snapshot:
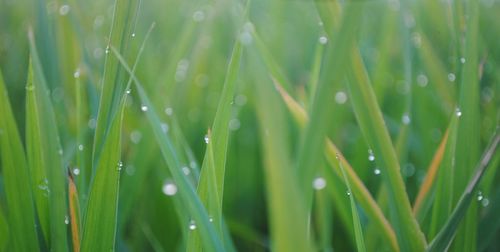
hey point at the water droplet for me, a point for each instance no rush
(198, 16)
(319, 183)
(462, 60)
(130, 170)
(76, 171)
(458, 112)
(128, 91)
(135, 136)
(451, 77)
(80, 147)
(240, 100)
(164, 127)
(119, 166)
(92, 123)
(64, 10)
(480, 196)
(107, 50)
(416, 39)
(169, 188)
(169, 111)
(133, 35)
(211, 219)
(60, 151)
(323, 40)
(408, 170)
(348, 193)
(76, 74)
(371, 156)
(485, 202)
(192, 225)
(207, 139)
(376, 171)
(186, 170)
(246, 38)
(66, 220)
(406, 119)
(144, 108)
(340, 97)
(422, 80)
(192, 164)
(234, 124)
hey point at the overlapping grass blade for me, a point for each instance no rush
(4, 231)
(113, 83)
(16, 179)
(358, 188)
(358, 231)
(445, 236)
(468, 135)
(74, 214)
(187, 194)
(47, 152)
(99, 227)
(215, 156)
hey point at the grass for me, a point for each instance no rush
(249, 125)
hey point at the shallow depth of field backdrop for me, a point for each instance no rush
(227, 125)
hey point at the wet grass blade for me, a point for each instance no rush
(445, 236)
(74, 213)
(49, 153)
(358, 231)
(358, 188)
(186, 191)
(16, 179)
(99, 227)
(215, 156)
(113, 83)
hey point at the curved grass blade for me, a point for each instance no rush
(16, 178)
(359, 190)
(287, 211)
(74, 213)
(446, 234)
(358, 231)
(49, 154)
(114, 75)
(186, 192)
(99, 227)
(215, 156)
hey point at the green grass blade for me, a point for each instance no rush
(358, 231)
(468, 136)
(99, 227)
(4, 231)
(20, 207)
(358, 188)
(186, 191)
(446, 234)
(287, 211)
(113, 83)
(215, 156)
(50, 154)
(74, 214)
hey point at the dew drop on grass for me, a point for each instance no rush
(207, 139)
(451, 77)
(144, 108)
(422, 80)
(76, 171)
(66, 220)
(192, 225)
(80, 147)
(169, 111)
(462, 60)
(128, 91)
(319, 183)
(133, 35)
(234, 124)
(164, 127)
(246, 38)
(107, 50)
(192, 164)
(119, 166)
(371, 156)
(406, 119)
(76, 74)
(64, 10)
(376, 171)
(169, 188)
(186, 170)
(340, 97)
(485, 202)
(211, 219)
(198, 16)
(348, 193)
(458, 112)
(480, 196)
(135, 136)
(323, 40)
(60, 152)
